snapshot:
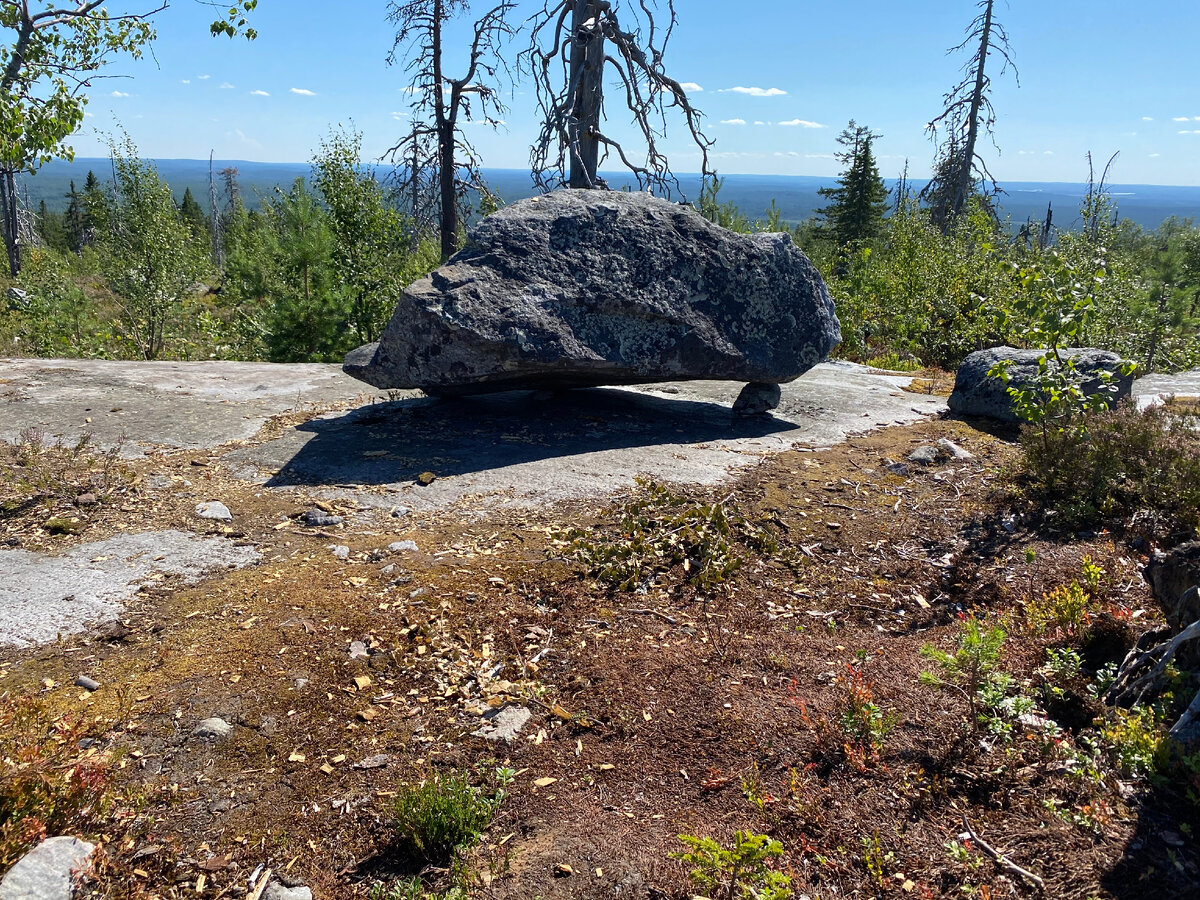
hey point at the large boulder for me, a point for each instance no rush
(49, 871)
(1171, 576)
(583, 288)
(976, 393)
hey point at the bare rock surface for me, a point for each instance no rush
(976, 393)
(526, 448)
(42, 596)
(169, 404)
(590, 288)
(48, 871)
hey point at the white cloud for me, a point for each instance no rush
(187, 81)
(760, 122)
(242, 138)
(226, 86)
(754, 91)
(259, 94)
(802, 123)
(1155, 155)
(1196, 118)
(1181, 119)
(1147, 118)
(304, 92)
(691, 87)
(733, 121)
(204, 77)
(819, 156)
(1047, 153)
(119, 94)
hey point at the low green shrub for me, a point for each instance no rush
(661, 529)
(48, 786)
(444, 813)
(1125, 469)
(741, 872)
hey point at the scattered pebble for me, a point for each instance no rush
(503, 724)
(426, 478)
(341, 551)
(399, 512)
(214, 509)
(318, 518)
(88, 499)
(954, 450)
(88, 684)
(358, 650)
(926, 455)
(403, 546)
(277, 891)
(376, 761)
(212, 728)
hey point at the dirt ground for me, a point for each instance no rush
(663, 710)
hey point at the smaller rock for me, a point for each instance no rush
(926, 455)
(159, 483)
(88, 684)
(88, 499)
(896, 468)
(318, 518)
(376, 761)
(277, 891)
(426, 478)
(17, 299)
(389, 569)
(503, 724)
(341, 551)
(954, 450)
(756, 398)
(48, 871)
(268, 726)
(215, 510)
(358, 650)
(212, 728)
(562, 870)
(403, 546)
(399, 512)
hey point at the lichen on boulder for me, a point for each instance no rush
(585, 288)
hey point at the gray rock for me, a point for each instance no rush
(17, 298)
(212, 729)
(318, 518)
(159, 483)
(48, 871)
(341, 551)
(399, 512)
(277, 891)
(358, 650)
(896, 468)
(586, 288)
(978, 394)
(375, 761)
(402, 546)
(756, 398)
(953, 450)
(1171, 575)
(503, 724)
(926, 455)
(216, 510)
(88, 684)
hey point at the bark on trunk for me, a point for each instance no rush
(587, 70)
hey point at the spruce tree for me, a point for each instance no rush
(193, 214)
(855, 215)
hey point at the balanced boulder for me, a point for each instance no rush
(583, 288)
(977, 393)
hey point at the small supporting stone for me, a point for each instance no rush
(757, 398)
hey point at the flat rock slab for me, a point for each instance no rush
(48, 871)
(1155, 388)
(170, 404)
(42, 596)
(530, 448)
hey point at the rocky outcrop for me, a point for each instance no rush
(49, 871)
(584, 288)
(976, 393)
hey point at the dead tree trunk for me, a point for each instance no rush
(587, 71)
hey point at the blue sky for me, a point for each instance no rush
(776, 79)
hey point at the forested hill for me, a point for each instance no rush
(796, 195)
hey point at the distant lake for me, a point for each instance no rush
(796, 195)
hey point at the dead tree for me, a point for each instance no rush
(440, 166)
(574, 43)
(968, 110)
